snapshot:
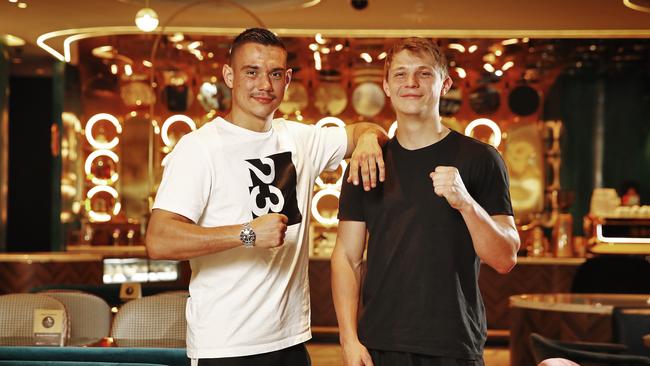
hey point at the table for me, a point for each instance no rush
(561, 316)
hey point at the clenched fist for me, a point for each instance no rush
(448, 183)
(269, 230)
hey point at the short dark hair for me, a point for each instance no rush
(418, 45)
(255, 35)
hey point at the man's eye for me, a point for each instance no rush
(251, 72)
(426, 73)
(276, 75)
(399, 74)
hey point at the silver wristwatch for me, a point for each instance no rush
(247, 236)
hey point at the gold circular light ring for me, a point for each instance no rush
(89, 133)
(325, 221)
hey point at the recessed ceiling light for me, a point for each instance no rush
(13, 1)
(22, 5)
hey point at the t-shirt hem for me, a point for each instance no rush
(249, 350)
(429, 351)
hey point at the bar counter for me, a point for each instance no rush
(19, 272)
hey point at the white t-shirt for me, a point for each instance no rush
(249, 301)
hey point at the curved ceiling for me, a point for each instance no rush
(463, 18)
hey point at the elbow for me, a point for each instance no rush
(152, 243)
(507, 265)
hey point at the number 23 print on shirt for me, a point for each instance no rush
(274, 187)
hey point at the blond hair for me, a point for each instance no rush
(420, 46)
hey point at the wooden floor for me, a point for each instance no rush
(329, 354)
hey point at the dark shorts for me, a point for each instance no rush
(296, 355)
(390, 358)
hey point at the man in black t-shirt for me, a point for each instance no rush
(443, 207)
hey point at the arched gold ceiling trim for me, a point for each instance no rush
(72, 35)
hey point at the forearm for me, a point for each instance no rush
(346, 279)
(496, 243)
(178, 240)
(361, 130)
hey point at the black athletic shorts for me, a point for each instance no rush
(296, 355)
(389, 358)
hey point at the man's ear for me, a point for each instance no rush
(227, 75)
(386, 89)
(287, 79)
(446, 85)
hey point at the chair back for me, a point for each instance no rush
(17, 318)
(152, 321)
(599, 353)
(90, 316)
(629, 326)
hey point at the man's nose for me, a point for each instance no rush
(265, 83)
(412, 81)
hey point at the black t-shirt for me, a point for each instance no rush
(421, 293)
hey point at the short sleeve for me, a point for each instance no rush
(326, 145)
(351, 200)
(186, 182)
(492, 186)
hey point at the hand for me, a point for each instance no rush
(269, 230)
(368, 157)
(356, 354)
(448, 183)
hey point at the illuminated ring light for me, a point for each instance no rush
(392, 130)
(171, 120)
(102, 216)
(89, 131)
(89, 162)
(485, 122)
(325, 221)
(330, 120)
(338, 183)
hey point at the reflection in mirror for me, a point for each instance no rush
(133, 183)
(295, 98)
(484, 100)
(214, 95)
(177, 93)
(368, 99)
(71, 168)
(523, 100)
(137, 93)
(524, 157)
(330, 98)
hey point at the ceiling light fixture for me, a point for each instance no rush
(456, 46)
(146, 18)
(11, 40)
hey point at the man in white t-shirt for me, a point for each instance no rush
(234, 200)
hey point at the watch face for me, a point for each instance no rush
(247, 236)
